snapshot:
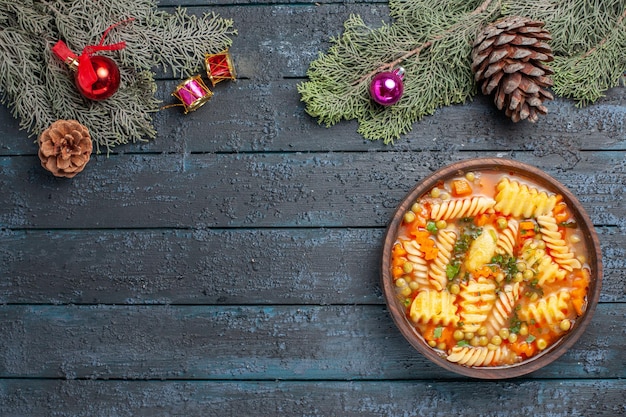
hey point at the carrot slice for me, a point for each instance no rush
(461, 188)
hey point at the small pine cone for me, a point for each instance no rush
(508, 58)
(65, 148)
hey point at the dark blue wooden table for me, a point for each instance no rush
(230, 267)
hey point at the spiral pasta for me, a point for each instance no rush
(548, 271)
(437, 272)
(508, 238)
(520, 200)
(420, 265)
(485, 270)
(502, 309)
(547, 311)
(557, 245)
(466, 207)
(476, 299)
(434, 307)
(478, 356)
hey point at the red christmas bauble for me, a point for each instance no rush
(107, 79)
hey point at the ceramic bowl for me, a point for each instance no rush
(400, 311)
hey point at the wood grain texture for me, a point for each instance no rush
(251, 342)
(263, 190)
(541, 398)
(262, 111)
(273, 119)
(230, 266)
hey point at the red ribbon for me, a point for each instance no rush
(86, 75)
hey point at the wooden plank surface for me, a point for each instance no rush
(223, 266)
(264, 189)
(231, 266)
(554, 398)
(278, 342)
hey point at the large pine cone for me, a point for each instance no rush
(507, 61)
(65, 148)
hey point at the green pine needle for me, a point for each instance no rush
(39, 88)
(432, 42)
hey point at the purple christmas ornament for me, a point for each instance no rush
(386, 88)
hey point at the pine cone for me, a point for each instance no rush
(65, 148)
(507, 59)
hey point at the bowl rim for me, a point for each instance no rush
(540, 178)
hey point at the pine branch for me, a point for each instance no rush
(585, 77)
(179, 39)
(39, 88)
(432, 42)
(588, 39)
(576, 25)
(416, 51)
(435, 59)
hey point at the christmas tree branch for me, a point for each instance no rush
(416, 52)
(39, 88)
(603, 41)
(432, 41)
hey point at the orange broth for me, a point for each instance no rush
(529, 298)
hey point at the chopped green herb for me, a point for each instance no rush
(508, 265)
(462, 343)
(535, 288)
(452, 269)
(569, 225)
(437, 333)
(515, 323)
(530, 338)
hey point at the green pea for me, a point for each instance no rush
(496, 340)
(523, 330)
(504, 333)
(528, 274)
(542, 344)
